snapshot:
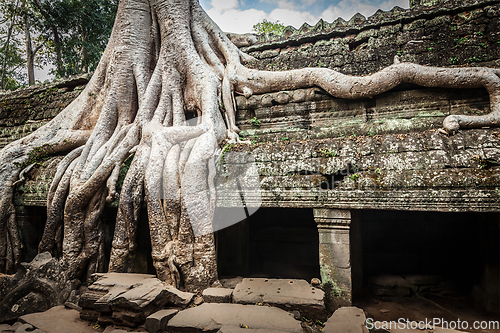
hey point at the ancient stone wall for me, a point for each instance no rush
(313, 150)
(439, 33)
(24, 110)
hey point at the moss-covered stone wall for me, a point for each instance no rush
(313, 150)
(446, 33)
(24, 110)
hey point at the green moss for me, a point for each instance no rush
(38, 155)
(123, 172)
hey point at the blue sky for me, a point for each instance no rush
(240, 15)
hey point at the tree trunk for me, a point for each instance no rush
(166, 58)
(30, 61)
(6, 47)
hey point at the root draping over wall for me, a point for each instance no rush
(166, 58)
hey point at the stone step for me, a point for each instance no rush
(287, 294)
(213, 317)
(217, 295)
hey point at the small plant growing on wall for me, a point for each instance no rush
(327, 153)
(255, 122)
(354, 177)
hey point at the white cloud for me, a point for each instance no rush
(348, 8)
(222, 5)
(230, 18)
(292, 17)
(235, 20)
(291, 4)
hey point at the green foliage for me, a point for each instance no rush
(473, 59)
(326, 153)
(268, 27)
(227, 148)
(354, 177)
(255, 122)
(454, 60)
(14, 58)
(38, 155)
(78, 29)
(459, 41)
(84, 27)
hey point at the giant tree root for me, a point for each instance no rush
(166, 58)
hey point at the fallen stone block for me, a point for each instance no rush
(158, 321)
(149, 291)
(128, 299)
(217, 295)
(286, 294)
(58, 320)
(346, 320)
(211, 317)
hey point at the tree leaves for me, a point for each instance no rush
(268, 27)
(67, 35)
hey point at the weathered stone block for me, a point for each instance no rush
(217, 295)
(212, 317)
(282, 293)
(346, 320)
(158, 321)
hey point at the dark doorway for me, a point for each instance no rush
(274, 242)
(443, 262)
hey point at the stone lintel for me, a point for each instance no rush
(339, 219)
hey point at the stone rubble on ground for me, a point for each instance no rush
(287, 294)
(139, 299)
(215, 316)
(208, 317)
(128, 299)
